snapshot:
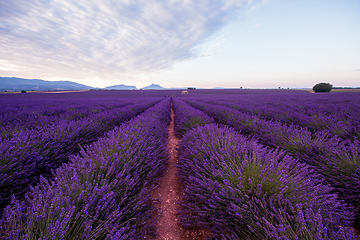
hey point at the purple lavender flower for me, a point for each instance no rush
(101, 193)
(257, 186)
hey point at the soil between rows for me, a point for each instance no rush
(169, 191)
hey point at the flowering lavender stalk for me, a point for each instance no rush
(103, 192)
(241, 190)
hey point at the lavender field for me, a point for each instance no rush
(253, 164)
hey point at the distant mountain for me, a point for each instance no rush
(12, 83)
(121, 87)
(153, 86)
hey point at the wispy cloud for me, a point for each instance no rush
(106, 39)
(257, 5)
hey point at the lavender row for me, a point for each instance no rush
(46, 104)
(29, 154)
(101, 194)
(335, 107)
(337, 160)
(241, 190)
(342, 121)
(187, 117)
(37, 115)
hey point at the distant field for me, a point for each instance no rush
(254, 164)
(345, 90)
(69, 91)
(333, 90)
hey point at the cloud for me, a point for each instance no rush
(257, 5)
(105, 39)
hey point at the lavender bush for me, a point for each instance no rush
(187, 117)
(103, 192)
(342, 124)
(239, 189)
(18, 116)
(338, 113)
(31, 153)
(337, 160)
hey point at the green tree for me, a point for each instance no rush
(23, 91)
(322, 87)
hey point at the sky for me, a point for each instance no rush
(182, 43)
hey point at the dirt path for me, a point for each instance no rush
(169, 192)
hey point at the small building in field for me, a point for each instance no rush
(184, 92)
